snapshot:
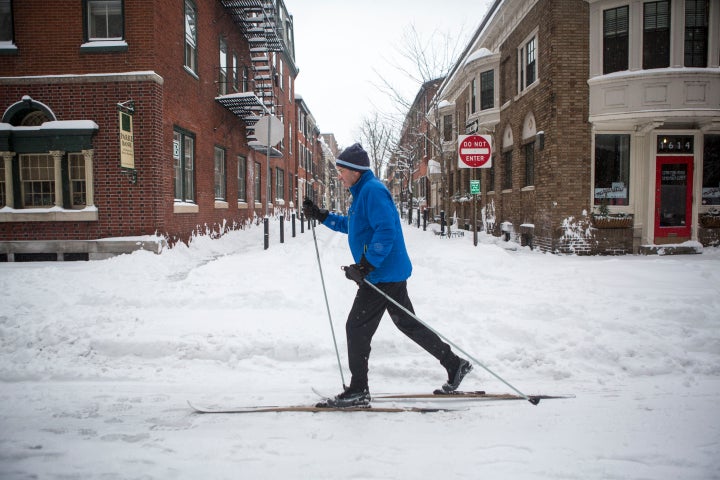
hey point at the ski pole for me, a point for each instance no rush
(327, 305)
(533, 400)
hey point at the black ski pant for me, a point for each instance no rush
(364, 319)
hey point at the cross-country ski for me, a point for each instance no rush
(313, 409)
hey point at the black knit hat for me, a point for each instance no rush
(354, 158)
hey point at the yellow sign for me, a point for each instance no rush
(127, 144)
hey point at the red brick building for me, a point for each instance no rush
(181, 83)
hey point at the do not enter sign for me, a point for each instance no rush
(474, 151)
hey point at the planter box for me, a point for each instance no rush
(612, 222)
(708, 221)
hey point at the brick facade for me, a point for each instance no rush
(558, 117)
(559, 108)
(79, 83)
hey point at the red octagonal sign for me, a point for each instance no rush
(474, 151)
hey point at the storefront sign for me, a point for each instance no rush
(127, 144)
(617, 190)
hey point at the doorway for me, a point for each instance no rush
(673, 198)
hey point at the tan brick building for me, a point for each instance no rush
(591, 105)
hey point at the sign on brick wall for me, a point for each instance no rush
(127, 143)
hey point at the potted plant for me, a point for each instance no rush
(604, 219)
(711, 218)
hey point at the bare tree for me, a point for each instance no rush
(418, 60)
(421, 60)
(377, 135)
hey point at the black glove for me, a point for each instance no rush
(310, 210)
(358, 271)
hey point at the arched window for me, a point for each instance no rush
(28, 113)
(507, 151)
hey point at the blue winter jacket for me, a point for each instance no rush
(373, 228)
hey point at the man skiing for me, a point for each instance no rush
(378, 248)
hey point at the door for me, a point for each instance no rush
(673, 199)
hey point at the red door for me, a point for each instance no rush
(673, 198)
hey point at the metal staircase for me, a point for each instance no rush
(257, 21)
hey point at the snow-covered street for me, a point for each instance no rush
(98, 360)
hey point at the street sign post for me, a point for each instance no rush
(269, 131)
(474, 151)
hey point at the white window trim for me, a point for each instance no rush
(54, 213)
(521, 61)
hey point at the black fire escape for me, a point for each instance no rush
(257, 20)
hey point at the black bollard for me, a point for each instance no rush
(266, 228)
(282, 228)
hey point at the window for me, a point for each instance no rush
(487, 90)
(78, 183)
(280, 75)
(491, 177)
(507, 170)
(37, 180)
(104, 20)
(301, 155)
(245, 79)
(184, 157)
(290, 186)
(223, 75)
(656, 34)
(236, 72)
(220, 175)
(6, 22)
(447, 128)
(529, 164)
(612, 169)
(711, 171)
(191, 36)
(615, 39)
(242, 179)
(290, 140)
(696, 33)
(3, 190)
(47, 180)
(527, 64)
(256, 182)
(279, 183)
(473, 96)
